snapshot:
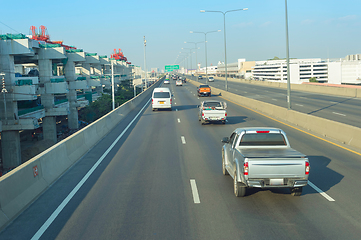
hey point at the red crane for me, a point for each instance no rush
(44, 36)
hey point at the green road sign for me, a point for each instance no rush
(169, 68)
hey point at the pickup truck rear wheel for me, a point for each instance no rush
(224, 170)
(297, 191)
(239, 188)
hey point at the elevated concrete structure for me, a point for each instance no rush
(57, 75)
(11, 124)
(74, 84)
(48, 87)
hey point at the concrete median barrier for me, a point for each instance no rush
(346, 134)
(26, 182)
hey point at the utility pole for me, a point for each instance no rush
(145, 64)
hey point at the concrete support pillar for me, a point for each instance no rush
(107, 71)
(72, 97)
(86, 70)
(10, 140)
(11, 151)
(98, 72)
(47, 100)
(49, 129)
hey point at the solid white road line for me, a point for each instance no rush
(339, 114)
(53, 216)
(178, 120)
(183, 139)
(195, 191)
(274, 99)
(323, 194)
(299, 105)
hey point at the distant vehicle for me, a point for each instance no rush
(179, 82)
(263, 158)
(166, 81)
(175, 77)
(204, 90)
(184, 80)
(212, 111)
(200, 77)
(210, 79)
(161, 98)
(33, 73)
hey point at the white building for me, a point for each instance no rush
(211, 70)
(345, 71)
(301, 70)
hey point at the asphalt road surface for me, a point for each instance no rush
(163, 180)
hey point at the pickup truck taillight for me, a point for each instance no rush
(225, 115)
(152, 100)
(307, 168)
(202, 114)
(245, 168)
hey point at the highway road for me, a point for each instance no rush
(341, 109)
(162, 179)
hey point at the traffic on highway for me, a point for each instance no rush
(341, 109)
(159, 175)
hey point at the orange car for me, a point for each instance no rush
(204, 90)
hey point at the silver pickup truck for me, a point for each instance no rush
(212, 111)
(263, 158)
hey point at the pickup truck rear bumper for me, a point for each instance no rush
(277, 183)
(215, 119)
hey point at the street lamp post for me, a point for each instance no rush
(205, 48)
(224, 30)
(195, 47)
(185, 57)
(288, 62)
(190, 54)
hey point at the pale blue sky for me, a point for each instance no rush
(317, 28)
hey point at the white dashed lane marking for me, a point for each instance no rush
(195, 191)
(339, 114)
(183, 139)
(323, 194)
(178, 120)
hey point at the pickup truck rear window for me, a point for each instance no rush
(203, 86)
(212, 104)
(161, 95)
(263, 139)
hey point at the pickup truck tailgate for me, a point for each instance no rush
(272, 163)
(214, 114)
(276, 168)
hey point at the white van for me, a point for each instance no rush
(161, 98)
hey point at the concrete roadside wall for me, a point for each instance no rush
(331, 90)
(349, 135)
(25, 183)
